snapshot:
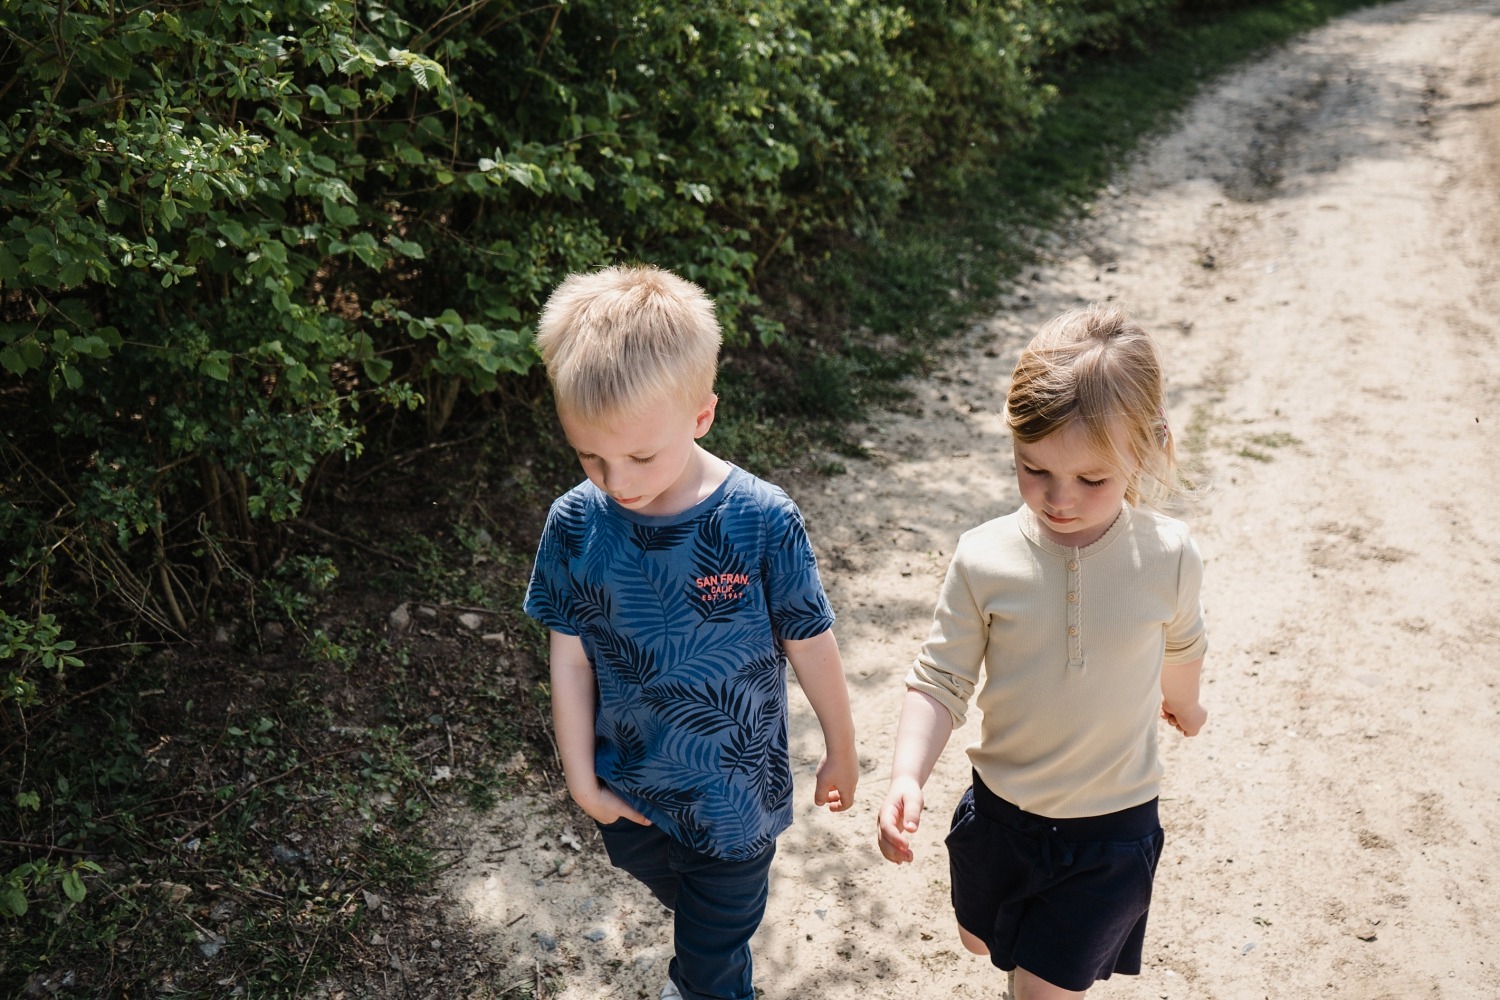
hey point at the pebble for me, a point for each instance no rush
(546, 941)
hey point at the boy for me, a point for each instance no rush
(677, 587)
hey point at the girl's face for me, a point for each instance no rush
(1074, 492)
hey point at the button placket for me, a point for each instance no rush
(1075, 606)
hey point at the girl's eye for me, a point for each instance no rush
(1034, 472)
(1094, 482)
(643, 461)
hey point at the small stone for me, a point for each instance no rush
(285, 855)
(470, 621)
(546, 941)
(210, 946)
(595, 934)
(273, 632)
(400, 618)
(174, 892)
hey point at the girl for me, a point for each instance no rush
(1083, 607)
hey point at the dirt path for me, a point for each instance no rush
(1316, 246)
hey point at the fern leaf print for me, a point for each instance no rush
(682, 618)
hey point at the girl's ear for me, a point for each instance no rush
(705, 418)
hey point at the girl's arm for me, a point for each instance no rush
(573, 720)
(1179, 696)
(920, 737)
(820, 672)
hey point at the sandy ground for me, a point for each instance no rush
(1315, 244)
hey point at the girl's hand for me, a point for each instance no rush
(1187, 721)
(899, 818)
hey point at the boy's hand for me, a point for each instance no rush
(1187, 721)
(838, 773)
(604, 806)
(899, 818)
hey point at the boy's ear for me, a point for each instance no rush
(705, 418)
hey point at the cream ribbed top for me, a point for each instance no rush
(1072, 642)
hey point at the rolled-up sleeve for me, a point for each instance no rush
(1187, 635)
(947, 666)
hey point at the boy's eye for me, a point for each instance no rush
(642, 461)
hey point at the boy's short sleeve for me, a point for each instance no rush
(548, 596)
(798, 607)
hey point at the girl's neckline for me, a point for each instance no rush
(1033, 532)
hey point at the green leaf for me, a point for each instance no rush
(28, 800)
(406, 247)
(72, 884)
(13, 900)
(377, 370)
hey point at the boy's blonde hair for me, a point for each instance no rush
(620, 340)
(1095, 368)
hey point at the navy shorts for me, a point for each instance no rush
(1064, 899)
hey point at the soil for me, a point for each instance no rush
(1314, 243)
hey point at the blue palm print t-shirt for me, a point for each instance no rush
(682, 618)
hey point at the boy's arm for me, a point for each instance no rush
(920, 737)
(820, 672)
(1179, 696)
(573, 720)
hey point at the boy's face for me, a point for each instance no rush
(1074, 493)
(650, 462)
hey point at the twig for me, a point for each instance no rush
(382, 553)
(44, 847)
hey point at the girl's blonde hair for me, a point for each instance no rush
(623, 339)
(1094, 368)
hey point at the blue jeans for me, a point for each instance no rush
(717, 905)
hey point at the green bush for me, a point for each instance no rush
(236, 232)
